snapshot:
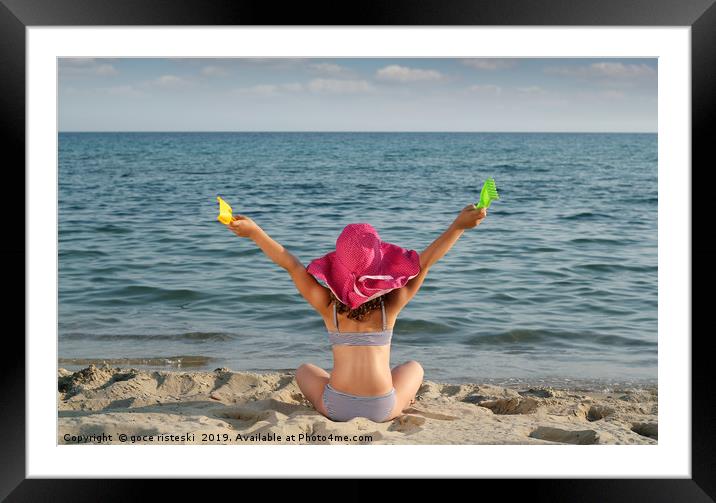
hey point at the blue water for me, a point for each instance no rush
(558, 284)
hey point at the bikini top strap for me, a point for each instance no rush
(335, 317)
(382, 307)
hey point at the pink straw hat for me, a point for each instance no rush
(363, 267)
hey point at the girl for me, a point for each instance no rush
(369, 281)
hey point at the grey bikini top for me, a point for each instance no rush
(381, 338)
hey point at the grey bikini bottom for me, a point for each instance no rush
(344, 407)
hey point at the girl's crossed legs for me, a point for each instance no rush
(407, 379)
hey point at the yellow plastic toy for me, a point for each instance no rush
(225, 215)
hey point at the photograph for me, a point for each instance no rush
(445, 244)
(357, 250)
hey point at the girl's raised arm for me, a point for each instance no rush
(468, 218)
(311, 290)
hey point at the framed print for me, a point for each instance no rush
(230, 217)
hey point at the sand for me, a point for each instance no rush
(99, 404)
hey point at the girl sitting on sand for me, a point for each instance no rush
(369, 282)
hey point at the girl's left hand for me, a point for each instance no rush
(470, 217)
(242, 226)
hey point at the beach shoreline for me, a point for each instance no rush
(120, 405)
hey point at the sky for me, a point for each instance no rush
(357, 94)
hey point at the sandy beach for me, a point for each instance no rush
(100, 404)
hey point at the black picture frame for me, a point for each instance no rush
(17, 15)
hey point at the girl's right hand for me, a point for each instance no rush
(470, 217)
(242, 226)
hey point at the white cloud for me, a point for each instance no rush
(292, 87)
(618, 95)
(609, 94)
(123, 90)
(531, 90)
(169, 82)
(86, 66)
(338, 86)
(270, 89)
(119, 89)
(488, 63)
(284, 63)
(163, 82)
(330, 69)
(77, 61)
(318, 85)
(213, 71)
(622, 70)
(491, 89)
(405, 74)
(106, 70)
(604, 69)
(260, 89)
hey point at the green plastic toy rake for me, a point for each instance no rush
(487, 194)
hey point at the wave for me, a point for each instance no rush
(151, 293)
(505, 297)
(584, 215)
(272, 298)
(507, 213)
(412, 326)
(600, 267)
(186, 336)
(553, 273)
(81, 254)
(542, 339)
(113, 229)
(599, 241)
(155, 361)
(645, 199)
(543, 249)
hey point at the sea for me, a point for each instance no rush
(556, 287)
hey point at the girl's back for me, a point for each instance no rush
(362, 369)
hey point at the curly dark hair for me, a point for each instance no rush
(361, 311)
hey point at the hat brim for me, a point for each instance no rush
(396, 267)
(329, 270)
